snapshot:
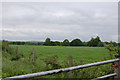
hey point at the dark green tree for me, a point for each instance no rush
(98, 39)
(57, 43)
(52, 43)
(76, 42)
(66, 42)
(84, 43)
(100, 44)
(47, 42)
(94, 42)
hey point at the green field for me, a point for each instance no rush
(80, 55)
(87, 54)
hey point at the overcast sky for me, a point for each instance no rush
(36, 21)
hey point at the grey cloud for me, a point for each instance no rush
(60, 20)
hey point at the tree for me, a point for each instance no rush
(100, 44)
(98, 39)
(84, 43)
(52, 43)
(114, 43)
(76, 42)
(40, 43)
(57, 43)
(47, 42)
(94, 42)
(66, 42)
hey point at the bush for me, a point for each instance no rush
(52, 62)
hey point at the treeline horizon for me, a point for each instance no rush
(93, 42)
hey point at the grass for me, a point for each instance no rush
(81, 55)
(87, 54)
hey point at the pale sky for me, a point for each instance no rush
(63, 20)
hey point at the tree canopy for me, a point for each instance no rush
(76, 42)
(94, 42)
(66, 42)
(47, 42)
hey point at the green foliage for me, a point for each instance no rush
(52, 43)
(76, 42)
(25, 43)
(16, 55)
(47, 42)
(52, 62)
(112, 48)
(57, 43)
(6, 47)
(66, 42)
(13, 68)
(94, 42)
(54, 57)
(84, 43)
(100, 44)
(86, 73)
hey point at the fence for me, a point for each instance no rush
(116, 74)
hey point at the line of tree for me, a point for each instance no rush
(25, 43)
(93, 42)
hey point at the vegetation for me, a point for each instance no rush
(66, 43)
(76, 42)
(43, 58)
(93, 42)
(30, 58)
(113, 49)
(47, 42)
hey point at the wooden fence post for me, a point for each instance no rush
(70, 63)
(117, 70)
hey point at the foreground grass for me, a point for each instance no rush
(81, 55)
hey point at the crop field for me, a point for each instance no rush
(87, 54)
(80, 55)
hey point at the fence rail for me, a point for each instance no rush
(106, 76)
(66, 70)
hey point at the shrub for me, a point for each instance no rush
(52, 61)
